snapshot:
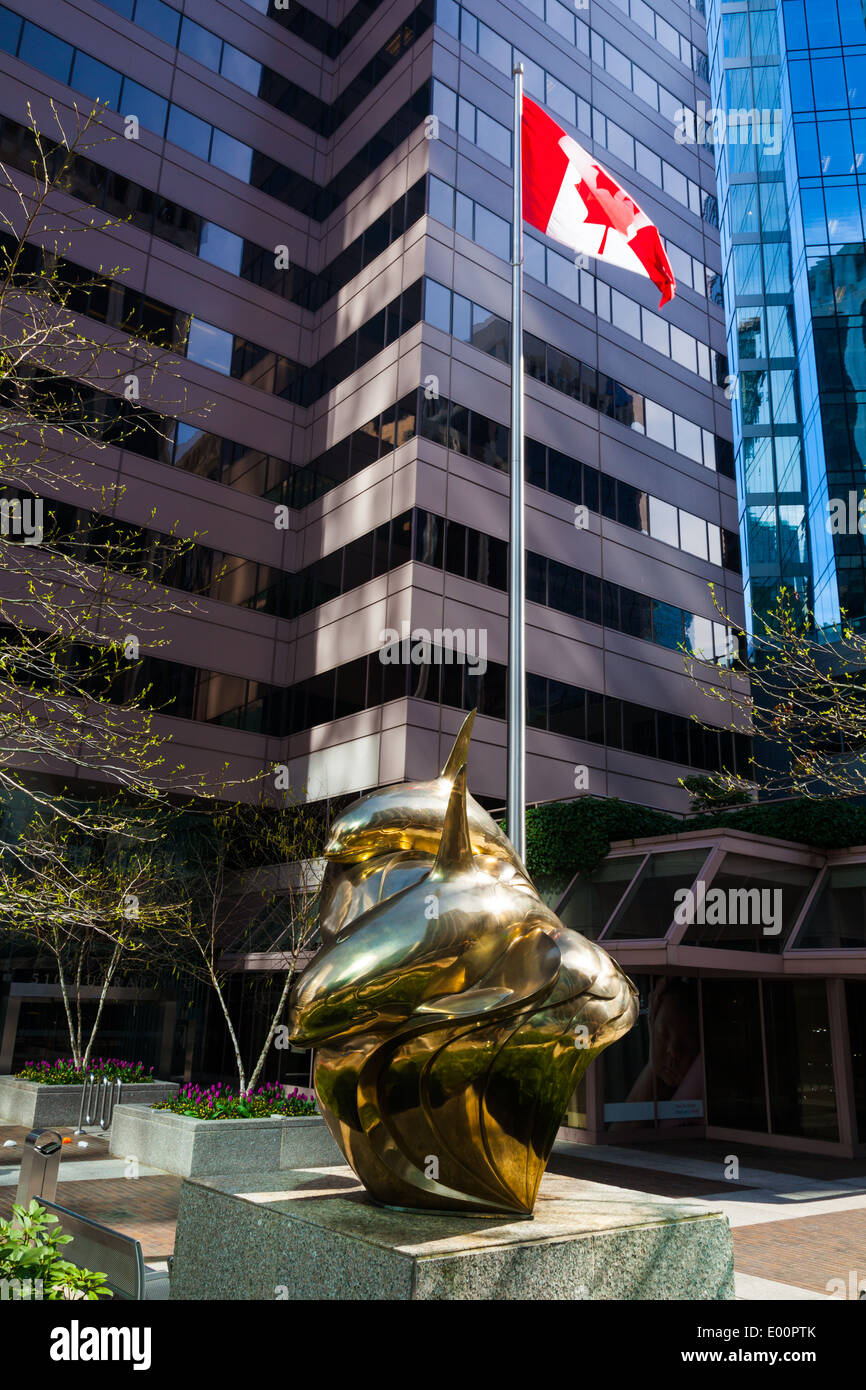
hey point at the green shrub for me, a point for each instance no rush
(30, 1251)
(567, 837)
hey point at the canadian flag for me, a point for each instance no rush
(568, 195)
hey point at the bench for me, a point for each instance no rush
(108, 1252)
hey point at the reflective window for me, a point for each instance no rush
(46, 52)
(590, 902)
(650, 907)
(799, 1059)
(100, 82)
(210, 346)
(837, 917)
(751, 905)
(734, 1054)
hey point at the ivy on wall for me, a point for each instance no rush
(564, 837)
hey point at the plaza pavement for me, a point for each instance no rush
(799, 1223)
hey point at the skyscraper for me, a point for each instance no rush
(317, 221)
(793, 251)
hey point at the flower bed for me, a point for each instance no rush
(64, 1072)
(196, 1139)
(220, 1103)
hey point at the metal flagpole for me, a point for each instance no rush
(516, 802)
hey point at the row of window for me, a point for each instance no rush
(257, 366)
(490, 135)
(224, 352)
(240, 68)
(473, 220)
(477, 222)
(469, 432)
(213, 243)
(551, 705)
(428, 538)
(60, 60)
(472, 323)
(660, 29)
(469, 554)
(305, 24)
(462, 24)
(835, 23)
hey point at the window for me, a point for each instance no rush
(46, 52)
(494, 49)
(241, 69)
(659, 424)
(437, 305)
(441, 201)
(158, 19)
(98, 81)
(693, 535)
(220, 247)
(231, 155)
(494, 138)
(663, 521)
(189, 132)
(625, 314)
(492, 232)
(210, 346)
(200, 44)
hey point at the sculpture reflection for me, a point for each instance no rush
(452, 1012)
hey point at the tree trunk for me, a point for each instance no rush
(106, 982)
(67, 1004)
(290, 974)
(232, 1034)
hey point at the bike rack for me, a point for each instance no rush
(109, 1095)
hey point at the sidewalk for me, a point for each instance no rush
(798, 1222)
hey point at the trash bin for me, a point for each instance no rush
(40, 1164)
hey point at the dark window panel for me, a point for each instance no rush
(455, 548)
(401, 540)
(567, 710)
(536, 464)
(612, 722)
(536, 701)
(429, 539)
(564, 474)
(536, 578)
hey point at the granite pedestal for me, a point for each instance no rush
(314, 1234)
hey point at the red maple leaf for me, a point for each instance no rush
(607, 205)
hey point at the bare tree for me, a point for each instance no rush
(250, 868)
(800, 694)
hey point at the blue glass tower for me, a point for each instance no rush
(788, 83)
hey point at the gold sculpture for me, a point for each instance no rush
(451, 1011)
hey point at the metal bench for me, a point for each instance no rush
(113, 1254)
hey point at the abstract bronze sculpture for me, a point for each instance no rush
(452, 1012)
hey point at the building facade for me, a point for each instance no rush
(789, 179)
(316, 204)
(748, 954)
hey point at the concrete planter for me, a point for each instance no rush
(33, 1105)
(203, 1148)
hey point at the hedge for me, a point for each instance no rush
(564, 837)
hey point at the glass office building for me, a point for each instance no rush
(788, 122)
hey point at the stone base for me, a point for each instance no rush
(35, 1106)
(189, 1147)
(315, 1235)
